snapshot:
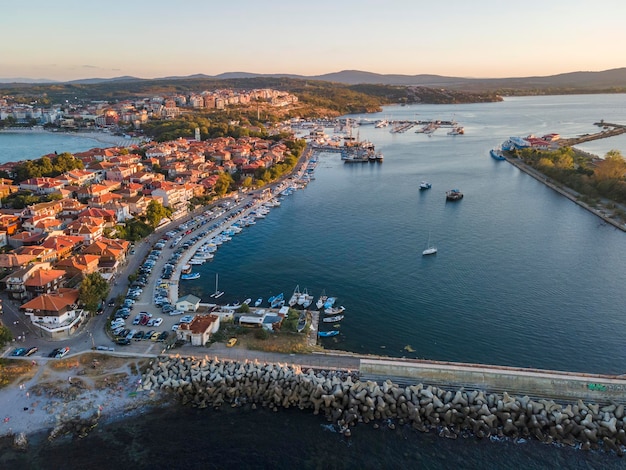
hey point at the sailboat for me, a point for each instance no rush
(430, 249)
(217, 294)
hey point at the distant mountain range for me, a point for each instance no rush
(604, 80)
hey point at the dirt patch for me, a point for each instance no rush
(13, 369)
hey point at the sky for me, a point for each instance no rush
(75, 39)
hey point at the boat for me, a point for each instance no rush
(308, 299)
(217, 294)
(379, 157)
(196, 261)
(258, 302)
(231, 342)
(185, 269)
(247, 301)
(190, 276)
(425, 185)
(333, 319)
(301, 322)
(278, 301)
(496, 154)
(334, 310)
(330, 301)
(294, 298)
(320, 302)
(454, 195)
(326, 334)
(456, 130)
(430, 249)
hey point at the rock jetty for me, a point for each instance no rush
(343, 399)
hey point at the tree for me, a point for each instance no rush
(5, 336)
(92, 291)
(222, 185)
(613, 166)
(157, 212)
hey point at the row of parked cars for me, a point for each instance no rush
(126, 335)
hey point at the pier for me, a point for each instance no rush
(609, 130)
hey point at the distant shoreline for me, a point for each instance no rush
(102, 137)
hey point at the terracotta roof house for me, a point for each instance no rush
(63, 245)
(45, 209)
(79, 264)
(56, 315)
(25, 238)
(199, 331)
(12, 260)
(16, 281)
(9, 223)
(44, 281)
(89, 228)
(111, 252)
(38, 253)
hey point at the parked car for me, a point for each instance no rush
(155, 336)
(157, 321)
(54, 352)
(122, 341)
(62, 352)
(31, 351)
(163, 336)
(19, 352)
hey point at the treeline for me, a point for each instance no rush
(46, 166)
(604, 179)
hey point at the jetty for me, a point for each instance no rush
(608, 130)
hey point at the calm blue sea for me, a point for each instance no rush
(523, 277)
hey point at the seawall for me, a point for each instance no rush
(346, 399)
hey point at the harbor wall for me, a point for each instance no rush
(346, 400)
(562, 386)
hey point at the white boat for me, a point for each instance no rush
(247, 301)
(185, 269)
(295, 297)
(217, 294)
(334, 310)
(334, 319)
(430, 249)
(425, 185)
(258, 302)
(320, 302)
(196, 261)
(308, 299)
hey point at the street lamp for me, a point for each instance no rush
(93, 343)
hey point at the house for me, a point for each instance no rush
(79, 264)
(56, 315)
(63, 245)
(44, 281)
(112, 253)
(199, 331)
(188, 303)
(16, 281)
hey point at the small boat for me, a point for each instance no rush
(196, 261)
(379, 157)
(258, 302)
(430, 249)
(320, 302)
(190, 276)
(326, 334)
(247, 301)
(231, 342)
(425, 185)
(408, 348)
(334, 311)
(278, 301)
(295, 297)
(217, 294)
(454, 195)
(496, 154)
(330, 301)
(333, 319)
(308, 299)
(185, 269)
(301, 322)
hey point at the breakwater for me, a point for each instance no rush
(343, 398)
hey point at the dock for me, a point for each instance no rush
(608, 130)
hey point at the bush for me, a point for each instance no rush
(262, 333)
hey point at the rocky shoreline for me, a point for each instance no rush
(345, 400)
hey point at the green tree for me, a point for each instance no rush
(5, 336)
(92, 291)
(223, 183)
(156, 212)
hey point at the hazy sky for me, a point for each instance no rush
(71, 39)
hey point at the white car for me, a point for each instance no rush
(176, 312)
(157, 322)
(175, 326)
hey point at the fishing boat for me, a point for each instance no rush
(186, 269)
(457, 130)
(425, 185)
(258, 302)
(430, 249)
(496, 154)
(379, 157)
(330, 301)
(334, 310)
(278, 301)
(247, 301)
(320, 302)
(217, 294)
(301, 322)
(190, 276)
(308, 299)
(326, 334)
(454, 195)
(333, 319)
(295, 297)
(196, 261)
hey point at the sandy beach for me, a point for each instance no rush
(83, 387)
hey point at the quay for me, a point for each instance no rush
(609, 130)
